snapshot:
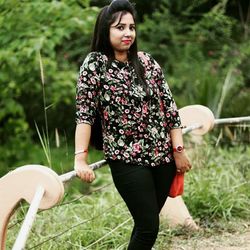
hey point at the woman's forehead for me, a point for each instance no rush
(125, 18)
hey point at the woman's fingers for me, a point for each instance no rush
(86, 174)
(89, 176)
(184, 168)
(182, 163)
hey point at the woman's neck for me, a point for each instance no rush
(121, 56)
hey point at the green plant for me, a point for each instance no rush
(217, 186)
(202, 50)
(216, 194)
(60, 31)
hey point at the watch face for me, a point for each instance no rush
(179, 148)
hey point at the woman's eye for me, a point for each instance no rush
(132, 28)
(120, 28)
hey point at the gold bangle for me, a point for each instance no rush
(81, 151)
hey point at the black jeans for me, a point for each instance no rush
(144, 190)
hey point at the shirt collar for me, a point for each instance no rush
(118, 64)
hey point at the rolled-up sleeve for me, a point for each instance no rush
(171, 111)
(87, 89)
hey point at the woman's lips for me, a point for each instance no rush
(126, 41)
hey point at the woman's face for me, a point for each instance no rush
(122, 33)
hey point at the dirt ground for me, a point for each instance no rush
(226, 241)
(230, 235)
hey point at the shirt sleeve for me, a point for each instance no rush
(169, 105)
(87, 89)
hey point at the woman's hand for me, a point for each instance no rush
(182, 162)
(84, 172)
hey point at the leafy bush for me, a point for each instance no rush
(60, 31)
(204, 52)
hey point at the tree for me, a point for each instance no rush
(204, 53)
(60, 32)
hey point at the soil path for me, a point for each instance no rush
(226, 241)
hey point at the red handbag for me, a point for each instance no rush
(177, 186)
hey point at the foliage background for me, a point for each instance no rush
(203, 47)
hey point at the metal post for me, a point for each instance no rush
(70, 175)
(191, 128)
(232, 120)
(29, 219)
(218, 122)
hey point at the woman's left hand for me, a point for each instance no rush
(182, 162)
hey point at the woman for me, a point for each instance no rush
(141, 128)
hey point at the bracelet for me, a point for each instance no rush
(81, 151)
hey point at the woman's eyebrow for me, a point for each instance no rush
(125, 24)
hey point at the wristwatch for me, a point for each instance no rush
(178, 148)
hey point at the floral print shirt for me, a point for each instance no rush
(135, 129)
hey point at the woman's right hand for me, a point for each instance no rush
(84, 172)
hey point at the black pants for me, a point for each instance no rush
(144, 190)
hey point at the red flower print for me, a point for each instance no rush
(105, 115)
(145, 109)
(133, 154)
(156, 151)
(137, 115)
(124, 119)
(161, 106)
(113, 88)
(123, 101)
(137, 147)
(128, 132)
(92, 79)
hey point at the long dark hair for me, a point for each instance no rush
(101, 43)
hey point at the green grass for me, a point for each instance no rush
(81, 222)
(218, 186)
(216, 193)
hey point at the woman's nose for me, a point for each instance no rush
(128, 32)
